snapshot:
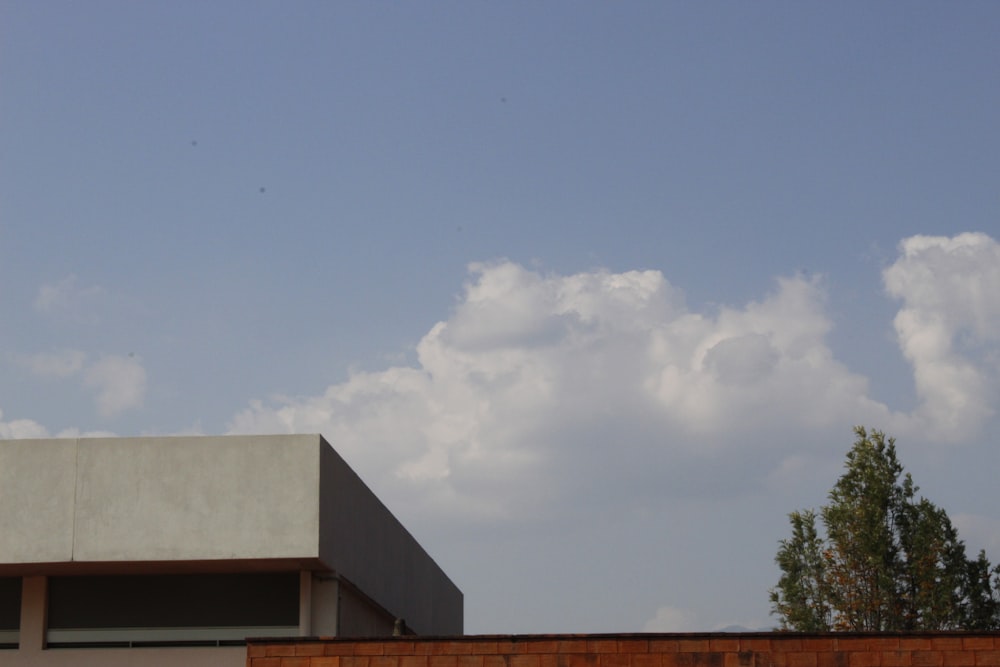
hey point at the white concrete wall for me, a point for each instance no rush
(192, 499)
(37, 483)
(159, 499)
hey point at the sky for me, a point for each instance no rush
(591, 294)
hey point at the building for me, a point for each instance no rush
(165, 551)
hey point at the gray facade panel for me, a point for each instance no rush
(157, 499)
(37, 480)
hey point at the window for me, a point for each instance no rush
(150, 610)
(10, 611)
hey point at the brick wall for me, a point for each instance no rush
(645, 650)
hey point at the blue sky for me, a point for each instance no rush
(590, 293)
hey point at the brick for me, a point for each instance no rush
(864, 659)
(255, 650)
(548, 659)
(646, 660)
(802, 659)
(633, 646)
(669, 659)
(354, 661)
(692, 645)
(915, 644)
(279, 650)
(267, 662)
(578, 660)
(945, 643)
(724, 645)
(524, 660)
(602, 646)
(818, 644)
(399, 648)
(508, 646)
(700, 659)
(959, 658)
(442, 661)
(494, 660)
(926, 658)
(571, 646)
(412, 661)
(832, 659)
(977, 643)
(484, 647)
(897, 658)
(309, 648)
(453, 648)
(369, 648)
(852, 644)
(664, 646)
(330, 661)
(786, 644)
(739, 659)
(295, 662)
(755, 644)
(338, 648)
(987, 657)
(544, 646)
(883, 643)
(383, 661)
(468, 661)
(613, 660)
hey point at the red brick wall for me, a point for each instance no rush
(646, 650)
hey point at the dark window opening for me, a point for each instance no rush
(10, 611)
(181, 609)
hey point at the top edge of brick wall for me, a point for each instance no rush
(622, 636)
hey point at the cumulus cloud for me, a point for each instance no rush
(119, 383)
(69, 300)
(537, 384)
(949, 328)
(21, 428)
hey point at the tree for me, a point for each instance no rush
(887, 561)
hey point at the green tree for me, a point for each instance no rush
(887, 560)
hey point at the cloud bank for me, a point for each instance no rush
(538, 386)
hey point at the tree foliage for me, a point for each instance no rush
(887, 560)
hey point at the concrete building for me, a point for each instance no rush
(164, 551)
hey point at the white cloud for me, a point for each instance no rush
(538, 383)
(538, 387)
(949, 328)
(21, 428)
(672, 619)
(119, 383)
(59, 364)
(67, 299)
